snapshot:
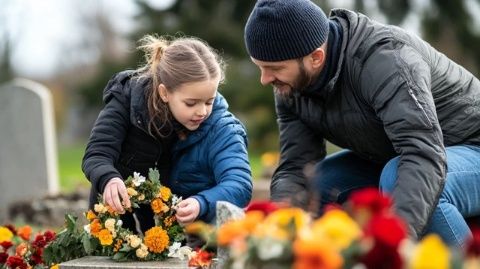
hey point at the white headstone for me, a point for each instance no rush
(226, 212)
(28, 153)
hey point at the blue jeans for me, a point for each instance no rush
(343, 172)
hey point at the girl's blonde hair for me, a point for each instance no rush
(173, 62)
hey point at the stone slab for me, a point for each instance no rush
(99, 262)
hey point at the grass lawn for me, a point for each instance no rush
(71, 175)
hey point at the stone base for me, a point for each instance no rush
(107, 263)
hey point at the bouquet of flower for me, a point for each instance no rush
(104, 234)
(365, 233)
(18, 250)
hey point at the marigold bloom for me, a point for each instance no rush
(5, 234)
(105, 237)
(157, 206)
(24, 232)
(165, 193)
(431, 253)
(156, 239)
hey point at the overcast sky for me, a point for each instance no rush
(43, 29)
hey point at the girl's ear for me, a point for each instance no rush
(163, 93)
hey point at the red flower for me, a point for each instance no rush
(202, 259)
(3, 257)
(6, 245)
(49, 235)
(16, 262)
(389, 230)
(372, 199)
(36, 257)
(39, 241)
(473, 245)
(266, 207)
(382, 257)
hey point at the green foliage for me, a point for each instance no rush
(68, 244)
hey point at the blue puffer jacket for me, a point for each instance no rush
(212, 163)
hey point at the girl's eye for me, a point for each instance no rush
(190, 104)
(209, 103)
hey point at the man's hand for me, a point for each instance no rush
(114, 190)
(187, 211)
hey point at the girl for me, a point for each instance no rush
(169, 115)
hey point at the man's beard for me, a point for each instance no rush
(302, 81)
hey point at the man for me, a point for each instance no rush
(402, 111)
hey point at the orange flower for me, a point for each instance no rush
(158, 206)
(156, 239)
(315, 253)
(90, 215)
(105, 237)
(118, 245)
(95, 227)
(202, 259)
(24, 232)
(231, 231)
(169, 221)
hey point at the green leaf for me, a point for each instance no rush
(154, 175)
(71, 222)
(87, 245)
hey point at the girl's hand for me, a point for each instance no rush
(114, 190)
(187, 211)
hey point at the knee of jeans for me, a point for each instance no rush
(389, 175)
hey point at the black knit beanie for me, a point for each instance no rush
(279, 30)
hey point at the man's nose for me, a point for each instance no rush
(266, 78)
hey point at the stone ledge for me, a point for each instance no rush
(107, 263)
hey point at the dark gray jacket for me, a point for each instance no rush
(392, 95)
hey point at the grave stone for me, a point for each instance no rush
(107, 263)
(28, 154)
(226, 212)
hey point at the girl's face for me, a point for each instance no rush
(191, 103)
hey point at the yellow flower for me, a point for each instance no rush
(169, 221)
(142, 251)
(431, 253)
(338, 227)
(231, 231)
(141, 197)
(105, 237)
(156, 239)
(132, 192)
(157, 206)
(90, 215)
(165, 193)
(270, 158)
(284, 216)
(100, 208)
(5, 234)
(55, 266)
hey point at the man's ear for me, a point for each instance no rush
(318, 57)
(163, 93)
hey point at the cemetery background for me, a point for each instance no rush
(98, 39)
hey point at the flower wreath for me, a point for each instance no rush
(108, 237)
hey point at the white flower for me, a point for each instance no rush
(269, 249)
(86, 228)
(177, 251)
(175, 200)
(119, 223)
(137, 179)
